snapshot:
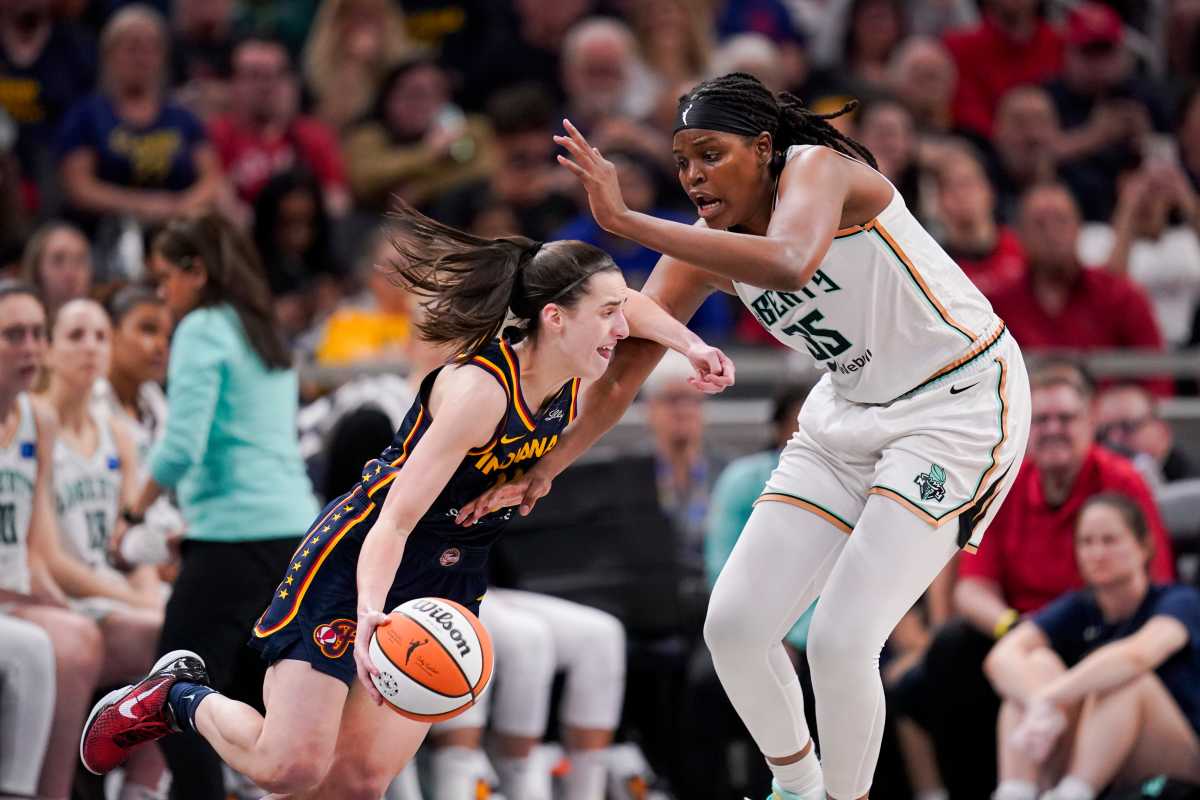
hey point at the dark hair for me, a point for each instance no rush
(522, 108)
(1059, 370)
(11, 288)
(471, 283)
(1131, 513)
(286, 273)
(35, 249)
(235, 276)
(783, 116)
(125, 299)
(378, 111)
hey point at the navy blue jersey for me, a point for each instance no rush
(520, 440)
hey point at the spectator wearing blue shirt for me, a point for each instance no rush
(1102, 686)
(127, 151)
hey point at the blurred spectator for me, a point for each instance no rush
(873, 31)
(921, 18)
(743, 21)
(525, 47)
(27, 591)
(264, 134)
(1011, 46)
(1188, 135)
(1104, 109)
(1153, 241)
(415, 143)
(202, 40)
(1127, 421)
(1023, 147)
(351, 46)
(14, 218)
(58, 263)
(288, 22)
(885, 127)
(527, 180)
(752, 53)
(375, 325)
(1059, 303)
(676, 37)
(45, 67)
(686, 469)
(292, 235)
(990, 254)
(1181, 40)
(457, 30)
(922, 75)
(602, 74)
(1101, 686)
(128, 150)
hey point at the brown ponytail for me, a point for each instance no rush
(470, 284)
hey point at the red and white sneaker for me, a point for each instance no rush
(129, 717)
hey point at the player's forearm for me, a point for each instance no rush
(378, 561)
(764, 261)
(648, 320)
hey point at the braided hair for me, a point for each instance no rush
(783, 116)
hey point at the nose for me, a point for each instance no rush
(621, 327)
(693, 176)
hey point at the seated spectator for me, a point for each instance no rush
(1013, 45)
(128, 151)
(526, 178)
(886, 129)
(1104, 108)
(1180, 34)
(1153, 239)
(292, 234)
(351, 46)
(415, 143)
(754, 54)
(58, 263)
(95, 469)
(1188, 136)
(27, 591)
(1103, 685)
(264, 134)
(1023, 146)
(1127, 421)
(202, 34)
(922, 76)
(874, 29)
(1025, 562)
(1059, 303)
(375, 325)
(676, 38)
(990, 254)
(45, 67)
(603, 75)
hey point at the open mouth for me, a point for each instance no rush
(27, 372)
(706, 205)
(606, 351)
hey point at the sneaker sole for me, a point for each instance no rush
(111, 697)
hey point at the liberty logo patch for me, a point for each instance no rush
(334, 638)
(932, 484)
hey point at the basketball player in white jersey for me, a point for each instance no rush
(95, 464)
(905, 449)
(29, 598)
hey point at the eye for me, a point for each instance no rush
(681, 164)
(711, 156)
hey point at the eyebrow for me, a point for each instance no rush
(699, 140)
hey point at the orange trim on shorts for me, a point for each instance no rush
(971, 354)
(311, 573)
(916, 276)
(807, 505)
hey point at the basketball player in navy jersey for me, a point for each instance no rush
(481, 420)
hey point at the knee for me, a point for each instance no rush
(78, 646)
(291, 771)
(528, 653)
(364, 783)
(726, 630)
(602, 643)
(833, 646)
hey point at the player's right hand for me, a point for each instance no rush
(714, 370)
(368, 621)
(523, 492)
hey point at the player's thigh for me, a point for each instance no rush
(76, 640)
(1167, 743)
(304, 711)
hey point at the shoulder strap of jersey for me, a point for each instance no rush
(574, 407)
(28, 421)
(491, 359)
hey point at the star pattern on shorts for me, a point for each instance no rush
(296, 566)
(305, 552)
(283, 594)
(289, 580)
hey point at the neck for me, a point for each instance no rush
(542, 373)
(1051, 287)
(1119, 600)
(70, 404)
(973, 234)
(1056, 485)
(758, 223)
(125, 387)
(8, 403)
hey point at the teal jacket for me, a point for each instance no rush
(729, 508)
(230, 449)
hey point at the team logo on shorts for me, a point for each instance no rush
(334, 638)
(450, 557)
(932, 484)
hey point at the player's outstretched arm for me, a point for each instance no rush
(812, 191)
(466, 406)
(647, 320)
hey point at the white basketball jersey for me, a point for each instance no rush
(18, 474)
(886, 312)
(150, 424)
(88, 491)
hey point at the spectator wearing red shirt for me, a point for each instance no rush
(1026, 560)
(1062, 305)
(991, 255)
(263, 135)
(1011, 46)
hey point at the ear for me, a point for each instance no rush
(197, 273)
(764, 148)
(552, 317)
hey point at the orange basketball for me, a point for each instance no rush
(434, 658)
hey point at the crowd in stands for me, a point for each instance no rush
(1052, 147)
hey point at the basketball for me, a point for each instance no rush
(434, 659)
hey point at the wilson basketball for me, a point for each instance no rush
(434, 659)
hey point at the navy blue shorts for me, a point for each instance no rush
(313, 616)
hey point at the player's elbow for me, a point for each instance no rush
(788, 269)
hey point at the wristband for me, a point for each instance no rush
(1005, 623)
(131, 518)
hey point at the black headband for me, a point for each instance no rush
(714, 117)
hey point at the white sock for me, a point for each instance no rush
(1015, 790)
(524, 778)
(1072, 788)
(457, 772)
(801, 778)
(933, 794)
(586, 780)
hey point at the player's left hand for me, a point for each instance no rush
(368, 621)
(714, 370)
(1039, 730)
(598, 176)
